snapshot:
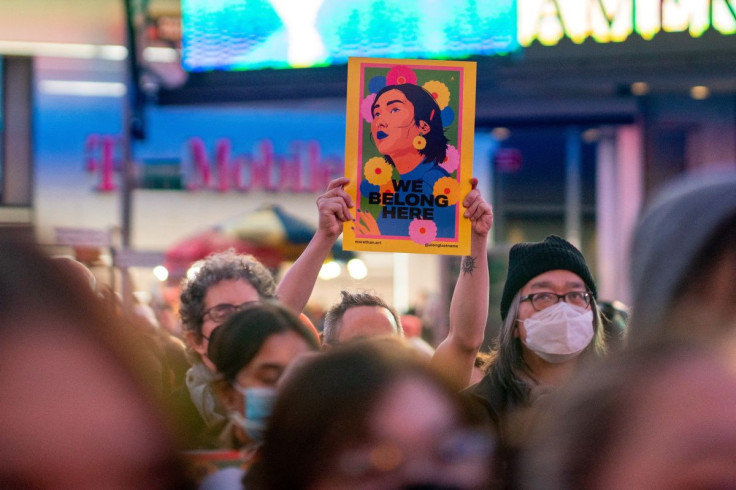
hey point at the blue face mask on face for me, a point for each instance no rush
(258, 404)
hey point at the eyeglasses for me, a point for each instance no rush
(544, 300)
(220, 313)
(464, 450)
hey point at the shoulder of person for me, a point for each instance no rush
(490, 394)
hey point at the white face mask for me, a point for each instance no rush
(560, 332)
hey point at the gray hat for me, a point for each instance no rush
(671, 232)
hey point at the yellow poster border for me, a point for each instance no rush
(460, 244)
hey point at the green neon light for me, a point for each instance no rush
(606, 21)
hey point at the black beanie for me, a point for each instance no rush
(529, 259)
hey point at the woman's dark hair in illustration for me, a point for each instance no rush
(427, 110)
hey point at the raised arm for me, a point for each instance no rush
(455, 356)
(333, 206)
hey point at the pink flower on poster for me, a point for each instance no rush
(422, 231)
(365, 108)
(452, 160)
(401, 74)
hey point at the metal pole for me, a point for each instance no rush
(573, 193)
(132, 129)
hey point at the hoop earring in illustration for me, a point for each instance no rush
(419, 142)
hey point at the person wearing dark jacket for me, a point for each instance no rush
(550, 323)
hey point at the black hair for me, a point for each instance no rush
(234, 344)
(427, 110)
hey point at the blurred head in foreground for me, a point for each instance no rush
(373, 415)
(76, 410)
(660, 416)
(683, 260)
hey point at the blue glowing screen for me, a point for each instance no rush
(234, 35)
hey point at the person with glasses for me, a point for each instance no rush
(224, 282)
(550, 322)
(252, 350)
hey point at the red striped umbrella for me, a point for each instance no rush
(268, 233)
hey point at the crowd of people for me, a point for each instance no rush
(575, 392)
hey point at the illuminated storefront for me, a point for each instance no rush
(606, 21)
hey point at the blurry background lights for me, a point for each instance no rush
(330, 270)
(500, 134)
(193, 270)
(161, 273)
(699, 92)
(591, 135)
(64, 50)
(639, 88)
(82, 88)
(157, 54)
(357, 269)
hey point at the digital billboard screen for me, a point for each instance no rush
(238, 35)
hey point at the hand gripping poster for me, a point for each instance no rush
(409, 154)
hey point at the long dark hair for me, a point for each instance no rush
(506, 361)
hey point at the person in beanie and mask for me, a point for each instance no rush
(550, 322)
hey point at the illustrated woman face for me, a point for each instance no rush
(393, 127)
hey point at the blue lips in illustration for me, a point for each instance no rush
(380, 135)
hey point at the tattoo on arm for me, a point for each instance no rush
(468, 265)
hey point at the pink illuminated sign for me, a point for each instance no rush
(302, 169)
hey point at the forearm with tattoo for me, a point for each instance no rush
(468, 265)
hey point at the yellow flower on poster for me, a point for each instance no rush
(447, 186)
(377, 171)
(439, 92)
(409, 154)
